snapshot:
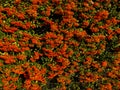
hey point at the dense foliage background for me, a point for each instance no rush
(59, 45)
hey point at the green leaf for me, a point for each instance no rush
(1, 34)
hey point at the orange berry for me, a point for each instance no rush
(104, 63)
